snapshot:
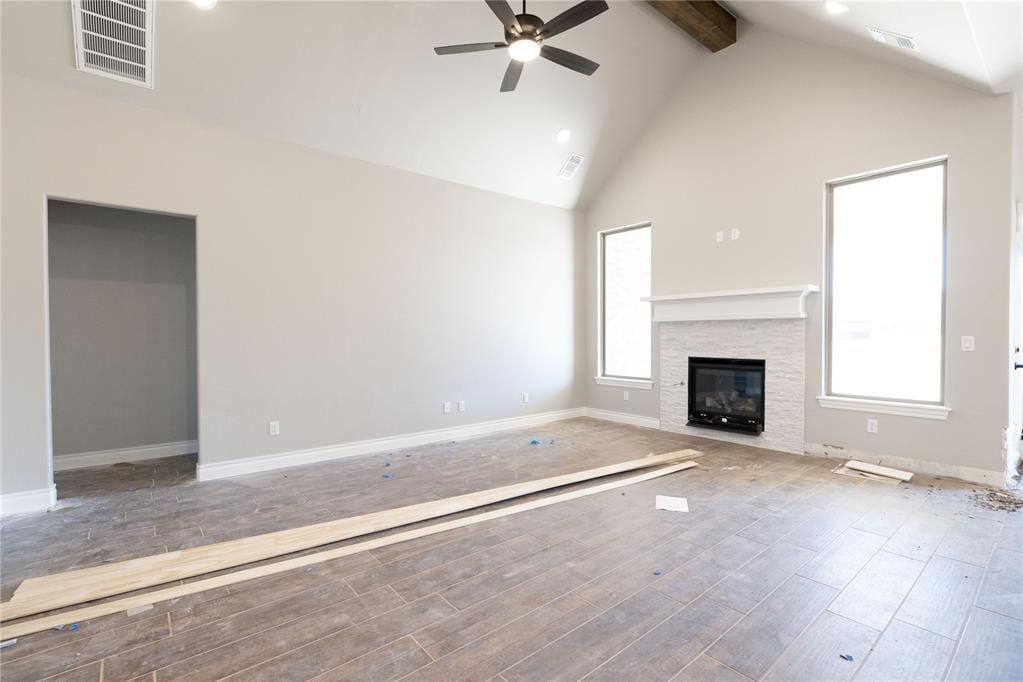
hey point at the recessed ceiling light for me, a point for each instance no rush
(835, 7)
(205, 4)
(563, 136)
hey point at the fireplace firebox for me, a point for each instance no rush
(727, 393)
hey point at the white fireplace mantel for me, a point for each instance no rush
(738, 304)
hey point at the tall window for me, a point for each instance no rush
(625, 319)
(886, 275)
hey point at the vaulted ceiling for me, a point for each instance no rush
(972, 43)
(360, 78)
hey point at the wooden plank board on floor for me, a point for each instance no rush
(37, 595)
(878, 470)
(53, 620)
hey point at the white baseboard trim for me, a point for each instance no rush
(80, 460)
(622, 417)
(918, 466)
(252, 465)
(28, 501)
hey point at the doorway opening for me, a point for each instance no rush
(122, 336)
(1014, 433)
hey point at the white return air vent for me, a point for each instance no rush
(896, 39)
(114, 39)
(570, 167)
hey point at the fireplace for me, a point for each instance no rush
(727, 393)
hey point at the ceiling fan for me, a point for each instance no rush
(524, 35)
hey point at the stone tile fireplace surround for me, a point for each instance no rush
(763, 324)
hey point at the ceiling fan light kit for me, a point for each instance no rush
(524, 36)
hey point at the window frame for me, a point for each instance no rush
(603, 378)
(901, 406)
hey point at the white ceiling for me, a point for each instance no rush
(360, 78)
(975, 44)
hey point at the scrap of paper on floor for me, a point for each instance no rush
(670, 503)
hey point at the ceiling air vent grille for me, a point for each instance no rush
(114, 39)
(896, 39)
(570, 167)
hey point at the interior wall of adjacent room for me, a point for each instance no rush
(122, 328)
(749, 142)
(344, 299)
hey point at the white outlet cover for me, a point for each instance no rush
(625, 395)
(525, 397)
(735, 233)
(968, 343)
(720, 236)
(447, 407)
(871, 426)
(275, 428)
(461, 406)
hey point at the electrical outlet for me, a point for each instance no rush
(525, 397)
(735, 233)
(871, 426)
(461, 406)
(968, 343)
(447, 407)
(275, 428)
(625, 395)
(720, 236)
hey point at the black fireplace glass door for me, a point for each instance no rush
(729, 391)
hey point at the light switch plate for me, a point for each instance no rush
(275, 428)
(735, 233)
(720, 236)
(871, 426)
(968, 343)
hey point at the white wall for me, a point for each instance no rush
(749, 142)
(122, 328)
(346, 300)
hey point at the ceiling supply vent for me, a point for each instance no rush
(896, 39)
(572, 164)
(114, 39)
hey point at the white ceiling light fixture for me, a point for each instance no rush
(563, 136)
(835, 7)
(205, 4)
(524, 50)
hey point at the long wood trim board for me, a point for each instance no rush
(106, 608)
(37, 595)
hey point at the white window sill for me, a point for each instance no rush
(641, 384)
(920, 410)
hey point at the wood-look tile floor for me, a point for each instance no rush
(781, 570)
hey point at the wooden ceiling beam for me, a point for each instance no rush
(706, 21)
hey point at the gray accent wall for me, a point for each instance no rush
(749, 141)
(122, 328)
(345, 299)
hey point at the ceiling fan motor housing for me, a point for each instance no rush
(530, 24)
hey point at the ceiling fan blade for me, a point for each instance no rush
(511, 76)
(569, 60)
(468, 47)
(505, 14)
(572, 17)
